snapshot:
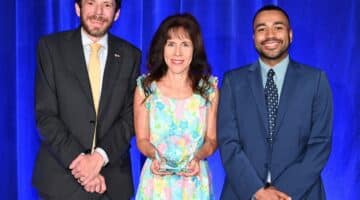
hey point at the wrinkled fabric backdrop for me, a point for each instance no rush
(326, 35)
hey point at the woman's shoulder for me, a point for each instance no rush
(212, 91)
(140, 79)
(143, 86)
(210, 86)
(212, 80)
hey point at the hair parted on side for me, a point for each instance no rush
(200, 69)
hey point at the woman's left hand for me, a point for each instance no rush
(193, 168)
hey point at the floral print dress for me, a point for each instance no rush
(177, 130)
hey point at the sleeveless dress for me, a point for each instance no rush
(177, 130)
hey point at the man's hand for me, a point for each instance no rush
(86, 167)
(96, 185)
(271, 193)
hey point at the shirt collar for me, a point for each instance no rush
(280, 68)
(86, 41)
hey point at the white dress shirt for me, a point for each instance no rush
(86, 41)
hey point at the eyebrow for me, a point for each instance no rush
(106, 1)
(257, 26)
(280, 23)
(276, 23)
(109, 2)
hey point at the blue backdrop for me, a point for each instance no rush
(325, 35)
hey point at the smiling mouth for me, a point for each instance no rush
(96, 22)
(97, 19)
(271, 44)
(176, 61)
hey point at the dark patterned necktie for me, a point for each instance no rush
(271, 98)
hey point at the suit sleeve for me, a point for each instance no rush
(305, 173)
(241, 175)
(117, 140)
(53, 131)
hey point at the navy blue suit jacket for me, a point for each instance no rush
(302, 140)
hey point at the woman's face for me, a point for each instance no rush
(178, 51)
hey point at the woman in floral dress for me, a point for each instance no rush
(175, 109)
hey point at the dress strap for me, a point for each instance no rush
(149, 90)
(214, 84)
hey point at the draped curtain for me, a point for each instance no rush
(325, 35)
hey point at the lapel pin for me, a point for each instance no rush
(117, 55)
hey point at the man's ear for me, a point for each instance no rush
(77, 9)
(117, 14)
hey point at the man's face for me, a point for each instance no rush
(97, 16)
(272, 36)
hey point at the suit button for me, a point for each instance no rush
(92, 121)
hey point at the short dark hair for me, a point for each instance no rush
(118, 3)
(271, 7)
(200, 69)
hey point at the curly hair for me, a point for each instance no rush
(200, 69)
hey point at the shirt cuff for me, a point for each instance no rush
(103, 155)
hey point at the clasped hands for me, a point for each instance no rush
(86, 170)
(271, 193)
(192, 168)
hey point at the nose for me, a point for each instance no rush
(177, 50)
(270, 32)
(98, 10)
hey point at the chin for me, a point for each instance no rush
(178, 71)
(97, 33)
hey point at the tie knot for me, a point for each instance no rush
(95, 47)
(270, 73)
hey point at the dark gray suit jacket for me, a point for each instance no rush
(65, 115)
(301, 144)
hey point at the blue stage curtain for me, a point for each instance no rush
(325, 35)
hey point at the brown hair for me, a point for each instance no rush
(118, 4)
(200, 69)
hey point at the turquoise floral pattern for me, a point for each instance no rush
(177, 130)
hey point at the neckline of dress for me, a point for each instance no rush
(158, 91)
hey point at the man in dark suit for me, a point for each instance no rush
(274, 120)
(84, 96)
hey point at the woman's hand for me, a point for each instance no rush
(155, 168)
(192, 169)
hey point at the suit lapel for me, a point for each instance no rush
(77, 62)
(289, 86)
(112, 68)
(257, 88)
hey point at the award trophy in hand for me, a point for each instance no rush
(174, 159)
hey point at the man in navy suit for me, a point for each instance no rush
(274, 120)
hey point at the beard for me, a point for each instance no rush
(95, 32)
(276, 55)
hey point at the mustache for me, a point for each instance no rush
(271, 40)
(98, 18)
